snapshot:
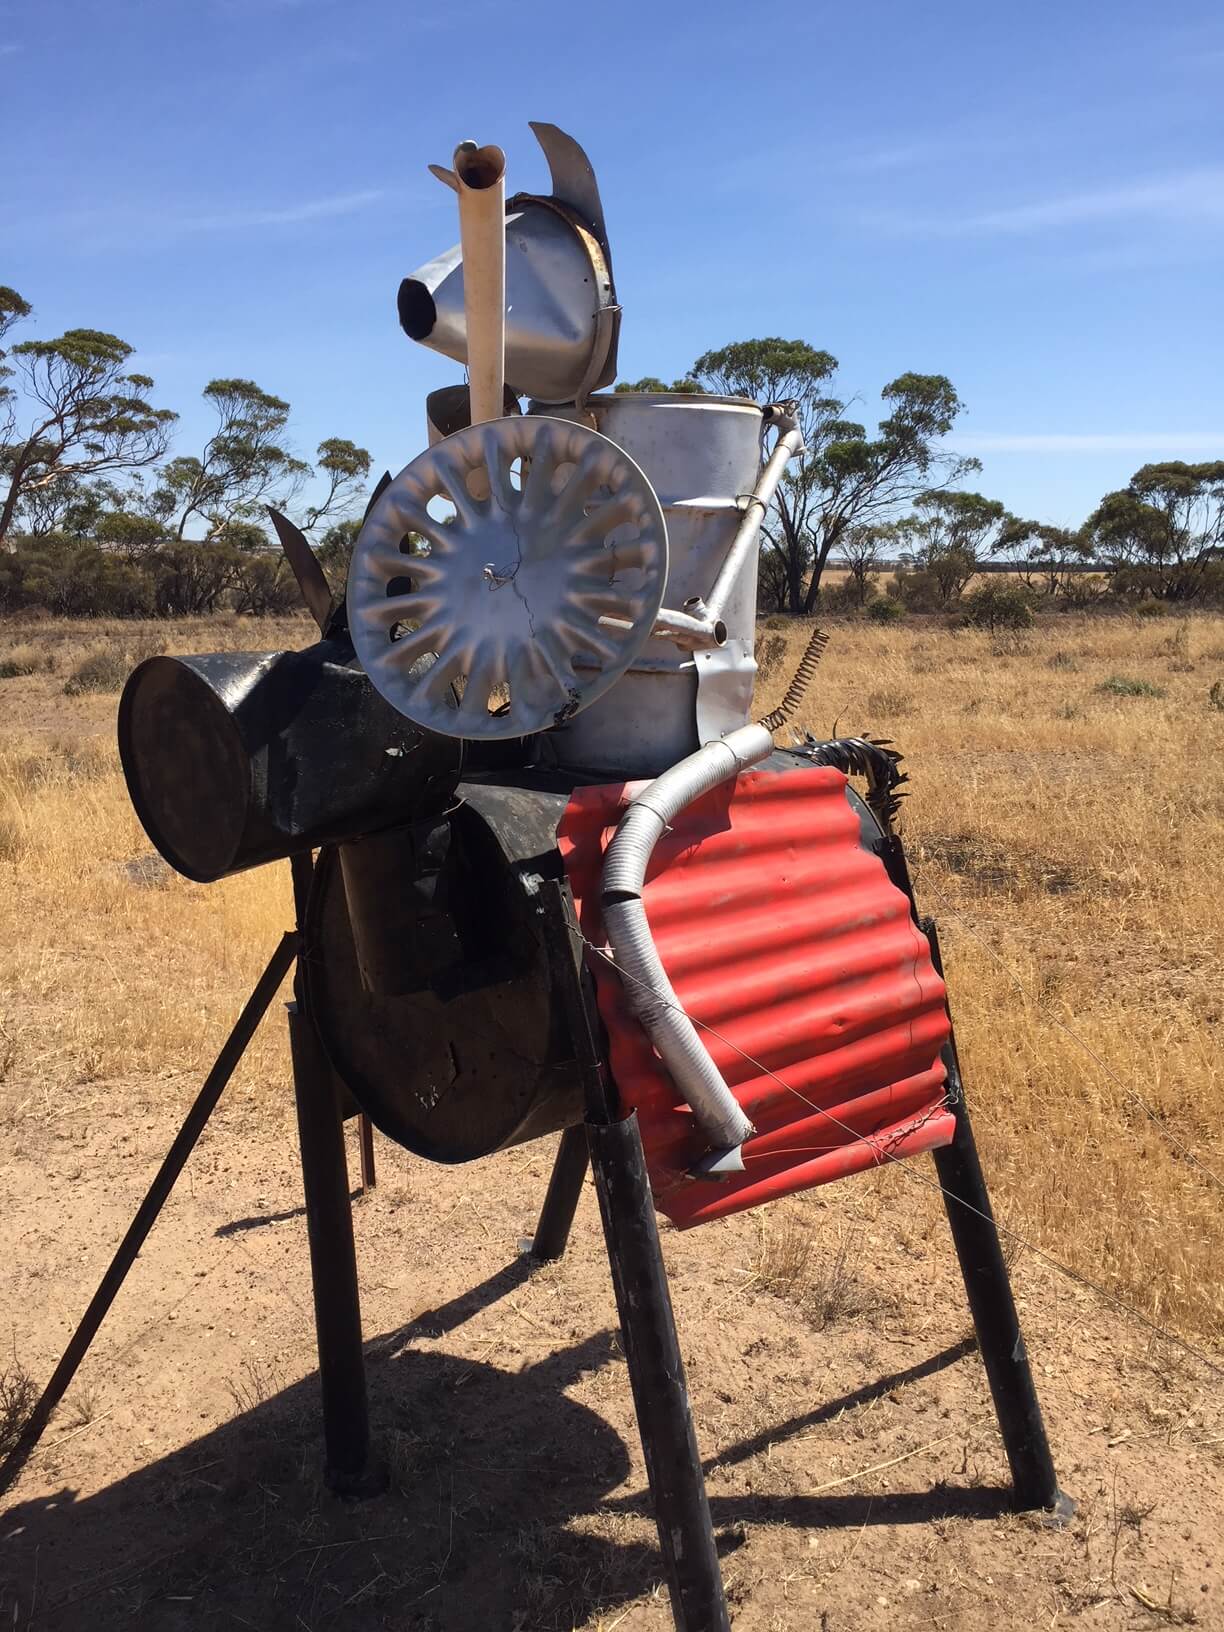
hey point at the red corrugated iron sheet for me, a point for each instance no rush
(787, 939)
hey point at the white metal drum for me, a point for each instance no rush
(702, 455)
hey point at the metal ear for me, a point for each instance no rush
(311, 579)
(380, 487)
(573, 178)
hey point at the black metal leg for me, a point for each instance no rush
(656, 1372)
(639, 1277)
(146, 1214)
(333, 1263)
(993, 1307)
(365, 1144)
(561, 1200)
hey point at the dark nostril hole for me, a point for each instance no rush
(417, 312)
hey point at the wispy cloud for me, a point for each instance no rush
(95, 229)
(953, 146)
(9, 50)
(1092, 442)
(1195, 195)
(285, 215)
(1191, 195)
(903, 157)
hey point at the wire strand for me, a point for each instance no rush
(899, 1162)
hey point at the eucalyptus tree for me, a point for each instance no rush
(846, 478)
(87, 416)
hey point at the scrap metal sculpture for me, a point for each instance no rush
(550, 876)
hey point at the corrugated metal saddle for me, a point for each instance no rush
(792, 950)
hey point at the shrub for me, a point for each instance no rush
(1152, 609)
(1215, 697)
(1120, 685)
(885, 610)
(264, 585)
(917, 591)
(996, 606)
(844, 597)
(103, 670)
(23, 660)
(107, 668)
(770, 650)
(17, 1398)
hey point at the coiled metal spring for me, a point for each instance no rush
(808, 664)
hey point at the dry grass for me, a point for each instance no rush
(1066, 837)
(26, 658)
(17, 1399)
(103, 976)
(822, 1278)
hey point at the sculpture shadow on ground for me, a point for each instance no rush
(498, 1514)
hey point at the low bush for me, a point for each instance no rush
(999, 606)
(107, 668)
(103, 670)
(770, 650)
(1152, 609)
(918, 592)
(844, 597)
(885, 610)
(1121, 685)
(23, 660)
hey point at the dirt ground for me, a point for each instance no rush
(855, 1471)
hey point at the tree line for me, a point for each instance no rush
(858, 500)
(97, 515)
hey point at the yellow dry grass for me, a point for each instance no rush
(1067, 838)
(1069, 842)
(102, 976)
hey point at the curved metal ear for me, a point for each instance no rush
(573, 178)
(306, 569)
(380, 487)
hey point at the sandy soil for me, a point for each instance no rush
(179, 1485)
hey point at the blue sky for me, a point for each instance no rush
(1028, 198)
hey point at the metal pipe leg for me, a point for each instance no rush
(991, 1303)
(365, 1144)
(561, 1200)
(656, 1372)
(147, 1213)
(333, 1262)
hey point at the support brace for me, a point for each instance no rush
(185, 1140)
(988, 1288)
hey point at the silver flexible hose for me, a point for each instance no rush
(647, 988)
(648, 991)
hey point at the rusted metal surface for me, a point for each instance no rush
(797, 957)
